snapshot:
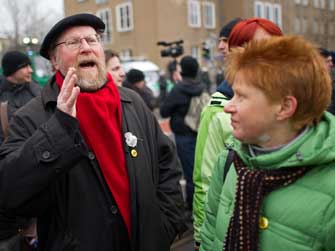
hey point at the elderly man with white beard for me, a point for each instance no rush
(88, 158)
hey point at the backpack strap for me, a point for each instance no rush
(4, 118)
(229, 161)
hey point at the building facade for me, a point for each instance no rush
(133, 28)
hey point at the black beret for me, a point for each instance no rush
(134, 76)
(83, 19)
(225, 31)
(13, 61)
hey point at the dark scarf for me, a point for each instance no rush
(99, 114)
(252, 187)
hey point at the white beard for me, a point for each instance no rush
(90, 81)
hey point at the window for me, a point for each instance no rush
(305, 2)
(258, 9)
(315, 27)
(297, 1)
(277, 14)
(331, 4)
(106, 17)
(79, 1)
(322, 4)
(126, 54)
(304, 25)
(194, 19)
(124, 17)
(268, 11)
(100, 1)
(316, 3)
(296, 25)
(195, 52)
(209, 15)
(322, 28)
(331, 29)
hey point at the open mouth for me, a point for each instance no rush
(87, 64)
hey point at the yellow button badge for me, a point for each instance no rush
(133, 153)
(263, 223)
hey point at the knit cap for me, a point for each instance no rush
(134, 76)
(13, 61)
(225, 31)
(189, 67)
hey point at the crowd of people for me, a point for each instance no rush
(84, 164)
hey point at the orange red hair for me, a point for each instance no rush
(285, 66)
(244, 31)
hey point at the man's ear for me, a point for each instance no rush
(54, 61)
(288, 107)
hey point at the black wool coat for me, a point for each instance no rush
(47, 171)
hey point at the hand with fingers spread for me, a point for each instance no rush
(66, 101)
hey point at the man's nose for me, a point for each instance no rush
(84, 46)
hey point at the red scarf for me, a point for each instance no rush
(99, 116)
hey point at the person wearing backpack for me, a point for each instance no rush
(176, 106)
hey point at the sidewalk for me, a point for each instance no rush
(185, 243)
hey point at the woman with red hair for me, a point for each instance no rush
(245, 31)
(252, 29)
(215, 126)
(273, 186)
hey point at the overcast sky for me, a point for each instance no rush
(50, 9)
(57, 5)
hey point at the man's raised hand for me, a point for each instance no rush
(66, 101)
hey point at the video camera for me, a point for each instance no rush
(174, 49)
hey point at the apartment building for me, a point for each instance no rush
(313, 19)
(133, 27)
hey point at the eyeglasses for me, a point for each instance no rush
(75, 42)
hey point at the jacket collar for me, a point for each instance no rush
(11, 87)
(50, 92)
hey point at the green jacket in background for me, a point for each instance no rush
(301, 216)
(213, 130)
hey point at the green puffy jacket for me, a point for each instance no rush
(213, 130)
(301, 217)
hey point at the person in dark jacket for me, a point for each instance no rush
(223, 48)
(329, 63)
(135, 80)
(16, 90)
(176, 106)
(88, 158)
(17, 87)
